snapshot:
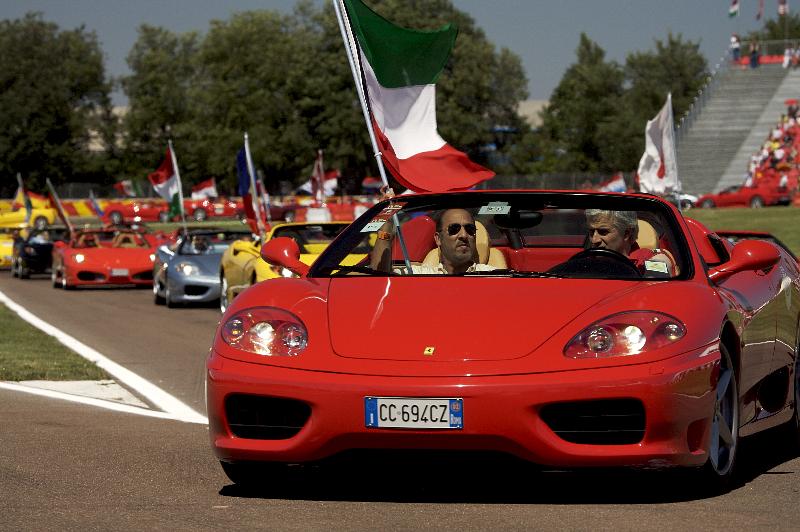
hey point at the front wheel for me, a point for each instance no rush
(163, 217)
(115, 217)
(707, 204)
(158, 299)
(200, 215)
(168, 295)
(40, 223)
(724, 426)
(756, 202)
(54, 278)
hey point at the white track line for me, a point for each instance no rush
(101, 403)
(173, 407)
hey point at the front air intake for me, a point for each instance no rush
(601, 422)
(265, 418)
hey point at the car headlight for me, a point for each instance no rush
(187, 269)
(266, 331)
(79, 257)
(624, 334)
(152, 257)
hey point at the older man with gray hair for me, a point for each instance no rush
(618, 231)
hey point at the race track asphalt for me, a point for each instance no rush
(66, 466)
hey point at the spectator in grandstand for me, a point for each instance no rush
(755, 50)
(736, 47)
(788, 54)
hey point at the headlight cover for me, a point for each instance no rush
(266, 331)
(79, 257)
(625, 334)
(188, 269)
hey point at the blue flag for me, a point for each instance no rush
(244, 174)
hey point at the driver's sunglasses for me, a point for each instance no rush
(454, 228)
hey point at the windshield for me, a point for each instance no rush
(512, 234)
(209, 243)
(312, 238)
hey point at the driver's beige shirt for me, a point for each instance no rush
(422, 269)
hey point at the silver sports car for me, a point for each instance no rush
(188, 270)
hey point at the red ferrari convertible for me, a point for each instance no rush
(118, 212)
(568, 329)
(103, 257)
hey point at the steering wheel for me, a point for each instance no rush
(598, 262)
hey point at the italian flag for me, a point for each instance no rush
(205, 189)
(733, 11)
(166, 183)
(400, 68)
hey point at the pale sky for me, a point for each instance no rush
(544, 33)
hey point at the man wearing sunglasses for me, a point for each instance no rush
(455, 239)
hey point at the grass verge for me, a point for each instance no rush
(26, 353)
(780, 221)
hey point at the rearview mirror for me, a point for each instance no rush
(282, 251)
(746, 255)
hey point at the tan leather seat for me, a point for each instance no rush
(124, 241)
(648, 239)
(486, 254)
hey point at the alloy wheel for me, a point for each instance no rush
(725, 422)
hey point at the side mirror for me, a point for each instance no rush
(747, 255)
(283, 251)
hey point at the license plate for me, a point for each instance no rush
(414, 413)
(119, 272)
(219, 210)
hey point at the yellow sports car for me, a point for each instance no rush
(6, 247)
(40, 218)
(242, 265)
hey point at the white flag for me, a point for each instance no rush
(658, 169)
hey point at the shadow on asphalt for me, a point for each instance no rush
(468, 478)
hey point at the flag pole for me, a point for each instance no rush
(180, 184)
(674, 152)
(265, 197)
(255, 197)
(349, 40)
(59, 207)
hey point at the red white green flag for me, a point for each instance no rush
(166, 184)
(401, 67)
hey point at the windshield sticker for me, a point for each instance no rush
(495, 207)
(382, 217)
(655, 266)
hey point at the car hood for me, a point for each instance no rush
(207, 264)
(455, 318)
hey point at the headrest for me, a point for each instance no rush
(648, 238)
(418, 237)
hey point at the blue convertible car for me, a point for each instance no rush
(188, 270)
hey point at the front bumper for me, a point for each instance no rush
(501, 413)
(194, 289)
(106, 277)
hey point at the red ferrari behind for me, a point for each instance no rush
(551, 346)
(117, 212)
(103, 257)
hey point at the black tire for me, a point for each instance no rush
(167, 295)
(40, 222)
(756, 202)
(708, 204)
(54, 279)
(115, 217)
(686, 205)
(252, 475)
(157, 299)
(200, 215)
(163, 217)
(65, 284)
(289, 216)
(724, 443)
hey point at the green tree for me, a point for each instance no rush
(163, 67)
(53, 91)
(589, 92)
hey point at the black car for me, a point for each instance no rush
(34, 253)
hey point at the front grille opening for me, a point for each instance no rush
(144, 276)
(265, 418)
(601, 422)
(195, 290)
(90, 276)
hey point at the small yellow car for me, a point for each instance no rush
(242, 266)
(6, 247)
